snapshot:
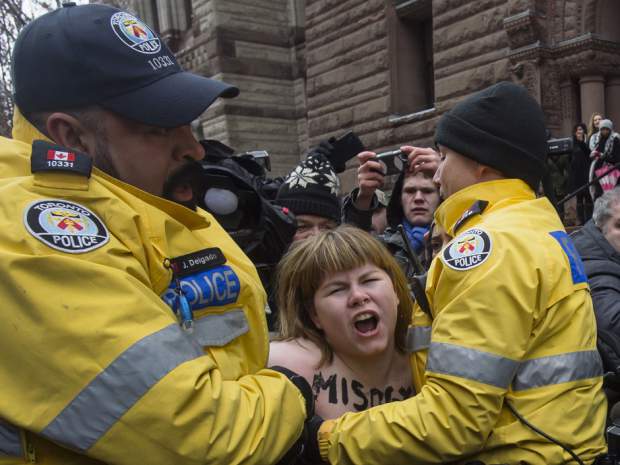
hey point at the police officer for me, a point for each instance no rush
(511, 373)
(132, 328)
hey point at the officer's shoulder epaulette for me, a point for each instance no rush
(476, 209)
(48, 157)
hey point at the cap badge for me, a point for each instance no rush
(65, 226)
(134, 33)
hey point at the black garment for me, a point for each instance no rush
(580, 164)
(602, 266)
(614, 154)
(578, 177)
(558, 167)
(356, 217)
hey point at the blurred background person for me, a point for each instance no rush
(311, 192)
(598, 243)
(579, 208)
(437, 238)
(605, 155)
(593, 124)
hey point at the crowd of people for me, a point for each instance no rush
(166, 301)
(589, 170)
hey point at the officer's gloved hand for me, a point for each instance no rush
(311, 454)
(324, 150)
(305, 451)
(338, 151)
(329, 150)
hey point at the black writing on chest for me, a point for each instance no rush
(352, 390)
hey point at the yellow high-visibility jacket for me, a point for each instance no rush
(94, 366)
(512, 324)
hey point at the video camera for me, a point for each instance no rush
(562, 146)
(234, 188)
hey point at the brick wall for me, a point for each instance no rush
(314, 69)
(348, 67)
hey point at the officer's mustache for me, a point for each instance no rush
(181, 186)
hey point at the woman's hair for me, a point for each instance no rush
(303, 269)
(585, 131)
(591, 128)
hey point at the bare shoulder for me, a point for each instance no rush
(300, 355)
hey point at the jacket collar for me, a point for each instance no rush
(451, 210)
(24, 131)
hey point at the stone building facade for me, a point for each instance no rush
(387, 69)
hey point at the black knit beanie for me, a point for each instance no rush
(312, 189)
(502, 127)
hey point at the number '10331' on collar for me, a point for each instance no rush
(55, 158)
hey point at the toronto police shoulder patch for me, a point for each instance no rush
(65, 226)
(467, 250)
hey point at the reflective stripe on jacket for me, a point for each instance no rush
(93, 358)
(512, 323)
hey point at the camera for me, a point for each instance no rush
(260, 158)
(561, 146)
(392, 162)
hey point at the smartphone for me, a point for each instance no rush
(392, 162)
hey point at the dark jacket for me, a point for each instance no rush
(580, 164)
(602, 266)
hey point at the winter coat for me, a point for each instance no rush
(96, 368)
(602, 266)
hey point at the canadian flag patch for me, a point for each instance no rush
(60, 156)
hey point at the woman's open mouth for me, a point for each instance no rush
(366, 323)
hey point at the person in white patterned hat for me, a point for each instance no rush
(311, 191)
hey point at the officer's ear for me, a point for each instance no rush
(66, 130)
(486, 173)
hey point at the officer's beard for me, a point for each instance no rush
(186, 181)
(101, 158)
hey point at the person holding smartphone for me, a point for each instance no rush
(413, 200)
